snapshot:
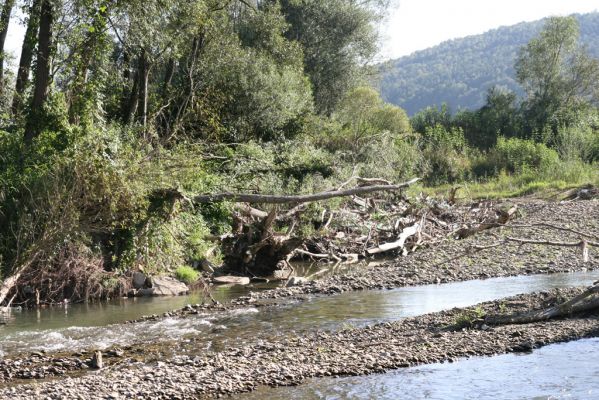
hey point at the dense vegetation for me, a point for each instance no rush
(121, 111)
(459, 72)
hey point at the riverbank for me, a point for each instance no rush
(169, 364)
(374, 349)
(455, 260)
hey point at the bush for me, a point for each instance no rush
(187, 274)
(580, 142)
(445, 154)
(518, 155)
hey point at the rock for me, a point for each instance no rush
(280, 275)
(167, 286)
(296, 281)
(147, 292)
(138, 280)
(237, 280)
(97, 360)
(132, 293)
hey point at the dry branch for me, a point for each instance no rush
(399, 243)
(583, 245)
(275, 199)
(572, 306)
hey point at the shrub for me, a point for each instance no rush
(580, 142)
(187, 274)
(518, 155)
(445, 154)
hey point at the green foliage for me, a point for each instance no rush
(519, 155)
(337, 37)
(557, 74)
(500, 116)
(445, 154)
(579, 142)
(469, 318)
(154, 103)
(431, 117)
(187, 274)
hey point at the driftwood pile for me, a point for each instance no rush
(366, 225)
(373, 227)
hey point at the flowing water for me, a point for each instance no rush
(559, 371)
(80, 327)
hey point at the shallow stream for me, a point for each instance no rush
(559, 371)
(78, 327)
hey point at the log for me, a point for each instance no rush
(276, 199)
(8, 283)
(251, 211)
(572, 306)
(405, 234)
(501, 220)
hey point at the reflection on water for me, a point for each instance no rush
(560, 371)
(86, 326)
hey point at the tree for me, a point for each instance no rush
(4, 21)
(27, 50)
(42, 72)
(557, 74)
(500, 116)
(431, 117)
(338, 38)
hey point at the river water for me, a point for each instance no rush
(78, 327)
(559, 371)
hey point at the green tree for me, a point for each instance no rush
(500, 116)
(557, 74)
(338, 38)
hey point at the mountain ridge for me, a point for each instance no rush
(459, 71)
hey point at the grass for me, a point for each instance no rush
(549, 185)
(187, 274)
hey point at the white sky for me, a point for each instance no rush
(417, 24)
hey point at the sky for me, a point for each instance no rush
(413, 25)
(418, 24)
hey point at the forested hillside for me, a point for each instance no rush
(459, 72)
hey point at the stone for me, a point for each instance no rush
(280, 275)
(296, 281)
(168, 286)
(138, 280)
(236, 280)
(146, 292)
(97, 360)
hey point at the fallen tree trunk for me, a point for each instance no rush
(8, 283)
(572, 306)
(275, 199)
(399, 244)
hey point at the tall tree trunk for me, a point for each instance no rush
(29, 43)
(4, 21)
(144, 76)
(88, 50)
(182, 103)
(130, 105)
(162, 124)
(168, 78)
(42, 72)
